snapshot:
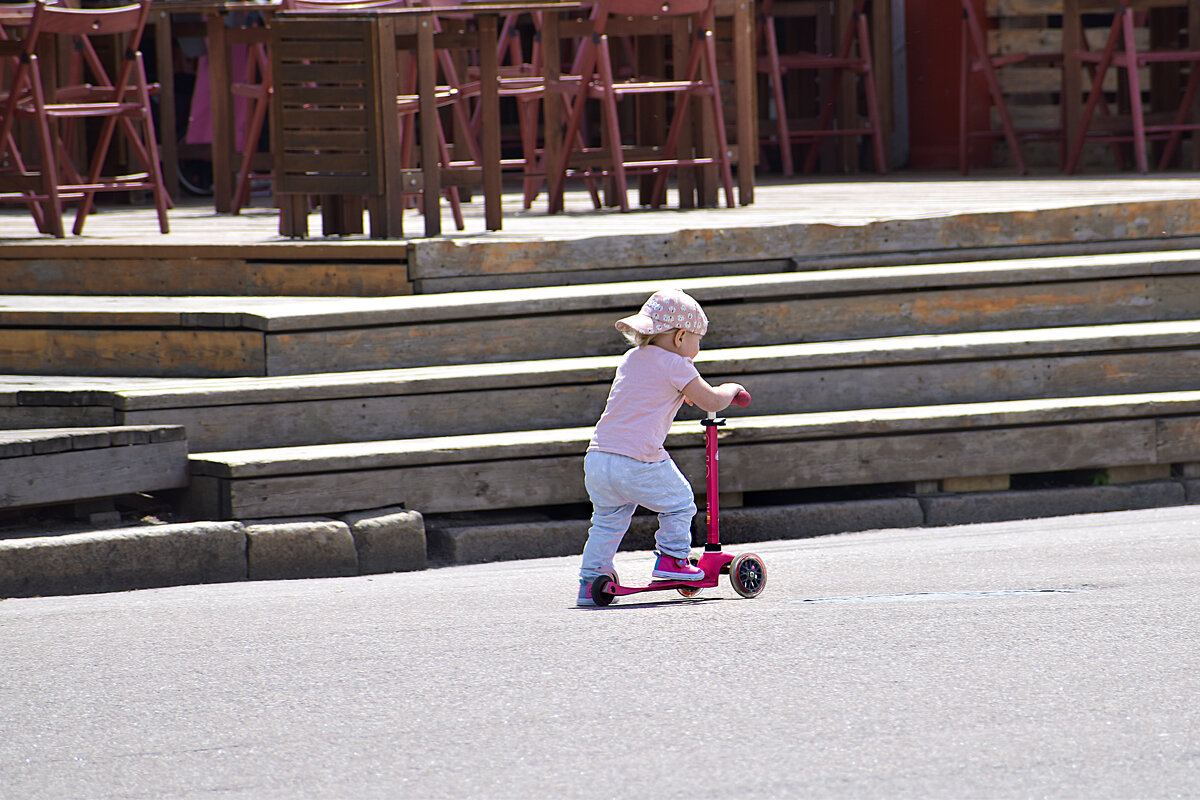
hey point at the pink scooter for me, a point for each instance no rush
(746, 571)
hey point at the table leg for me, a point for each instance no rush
(745, 80)
(426, 91)
(551, 103)
(223, 136)
(168, 136)
(1072, 82)
(1193, 26)
(881, 58)
(489, 78)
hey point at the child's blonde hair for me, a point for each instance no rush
(637, 339)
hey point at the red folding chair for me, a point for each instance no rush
(853, 55)
(688, 26)
(978, 58)
(1121, 52)
(17, 183)
(255, 86)
(120, 103)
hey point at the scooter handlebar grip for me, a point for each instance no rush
(741, 399)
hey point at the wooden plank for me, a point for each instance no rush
(55, 416)
(218, 428)
(1048, 41)
(132, 352)
(628, 297)
(226, 414)
(327, 421)
(83, 474)
(854, 423)
(558, 479)
(1026, 8)
(316, 334)
(1080, 223)
(742, 324)
(202, 276)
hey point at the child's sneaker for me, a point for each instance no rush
(678, 569)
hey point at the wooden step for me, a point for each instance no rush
(250, 413)
(802, 224)
(227, 337)
(300, 269)
(758, 453)
(61, 465)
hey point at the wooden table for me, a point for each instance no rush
(220, 39)
(413, 29)
(1072, 31)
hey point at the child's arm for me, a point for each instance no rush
(710, 398)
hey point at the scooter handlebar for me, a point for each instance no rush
(741, 399)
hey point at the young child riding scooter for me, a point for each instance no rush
(626, 465)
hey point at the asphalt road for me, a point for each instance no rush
(1047, 658)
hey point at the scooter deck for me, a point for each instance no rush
(713, 564)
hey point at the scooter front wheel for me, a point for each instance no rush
(747, 574)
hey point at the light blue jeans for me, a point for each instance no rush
(617, 485)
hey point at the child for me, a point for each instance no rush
(626, 465)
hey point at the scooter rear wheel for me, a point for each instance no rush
(599, 596)
(688, 591)
(747, 574)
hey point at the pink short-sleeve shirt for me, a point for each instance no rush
(645, 396)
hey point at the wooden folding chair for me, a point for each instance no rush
(17, 184)
(1121, 51)
(255, 86)
(688, 28)
(120, 102)
(979, 58)
(853, 55)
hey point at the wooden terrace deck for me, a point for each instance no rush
(853, 201)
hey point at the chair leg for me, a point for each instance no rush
(783, 132)
(979, 44)
(611, 125)
(868, 79)
(261, 98)
(451, 192)
(829, 101)
(1097, 91)
(1135, 93)
(724, 168)
(48, 142)
(1180, 121)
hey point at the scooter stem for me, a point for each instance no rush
(712, 481)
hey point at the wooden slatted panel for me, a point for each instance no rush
(327, 107)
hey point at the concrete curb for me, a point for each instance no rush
(472, 539)
(122, 559)
(396, 539)
(154, 556)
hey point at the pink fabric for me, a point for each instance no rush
(666, 310)
(645, 396)
(199, 129)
